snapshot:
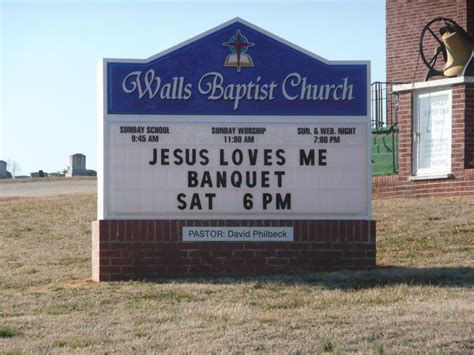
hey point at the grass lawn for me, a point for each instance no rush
(420, 299)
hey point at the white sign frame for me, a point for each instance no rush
(103, 174)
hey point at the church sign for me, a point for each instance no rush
(234, 125)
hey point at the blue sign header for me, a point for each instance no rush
(237, 69)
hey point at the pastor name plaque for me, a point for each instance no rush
(234, 136)
(237, 234)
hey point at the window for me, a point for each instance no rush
(432, 134)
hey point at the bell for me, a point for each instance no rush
(459, 51)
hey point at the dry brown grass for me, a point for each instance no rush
(46, 179)
(420, 300)
(425, 232)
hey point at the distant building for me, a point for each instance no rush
(39, 174)
(4, 173)
(77, 166)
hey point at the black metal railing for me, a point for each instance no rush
(383, 105)
(384, 123)
(384, 144)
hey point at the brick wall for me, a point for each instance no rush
(470, 16)
(469, 123)
(462, 181)
(137, 249)
(405, 21)
(392, 186)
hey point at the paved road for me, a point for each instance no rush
(48, 188)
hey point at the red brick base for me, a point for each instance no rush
(400, 186)
(148, 249)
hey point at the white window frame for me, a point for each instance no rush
(434, 172)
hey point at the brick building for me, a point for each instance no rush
(436, 153)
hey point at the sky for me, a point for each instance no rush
(49, 52)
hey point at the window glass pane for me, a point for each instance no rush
(434, 130)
